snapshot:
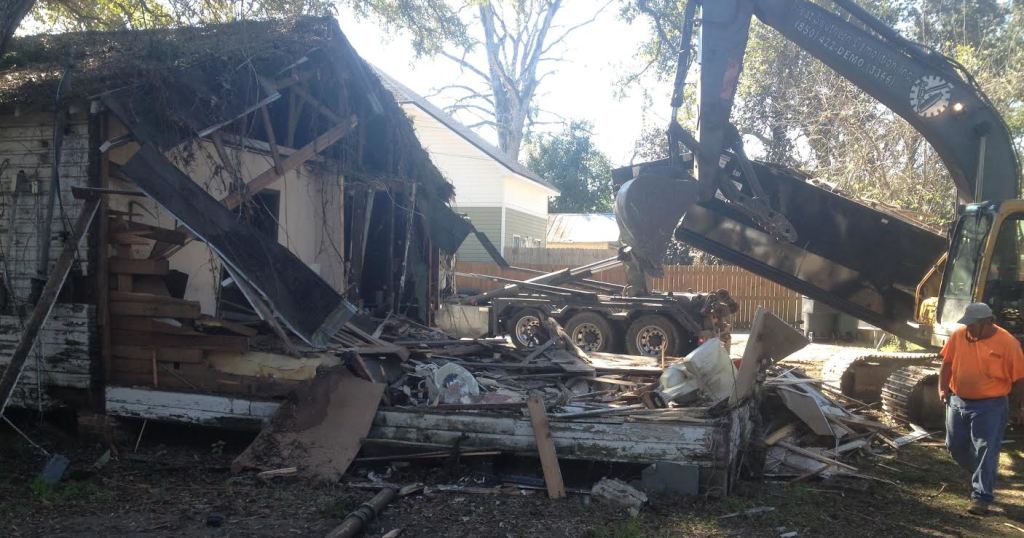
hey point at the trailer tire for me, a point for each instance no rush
(526, 328)
(592, 332)
(647, 334)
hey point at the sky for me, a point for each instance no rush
(582, 87)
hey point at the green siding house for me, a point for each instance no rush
(505, 200)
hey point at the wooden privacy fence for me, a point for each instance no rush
(748, 289)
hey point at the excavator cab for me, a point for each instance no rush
(987, 265)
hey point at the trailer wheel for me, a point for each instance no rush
(592, 332)
(526, 328)
(647, 334)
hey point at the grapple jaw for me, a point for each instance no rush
(647, 209)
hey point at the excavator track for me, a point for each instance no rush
(862, 376)
(911, 394)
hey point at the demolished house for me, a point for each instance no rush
(246, 233)
(248, 178)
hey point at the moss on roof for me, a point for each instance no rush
(183, 79)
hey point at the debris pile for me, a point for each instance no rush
(811, 434)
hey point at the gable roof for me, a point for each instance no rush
(404, 95)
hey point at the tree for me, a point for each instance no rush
(507, 48)
(807, 116)
(576, 167)
(11, 14)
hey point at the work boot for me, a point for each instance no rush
(978, 507)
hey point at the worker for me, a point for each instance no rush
(982, 364)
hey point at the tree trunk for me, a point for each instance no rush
(11, 14)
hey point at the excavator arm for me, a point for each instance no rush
(769, 219)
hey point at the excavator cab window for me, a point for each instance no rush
(962, 272)
(1004, 287)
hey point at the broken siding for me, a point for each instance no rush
(62, 353)
(26, 145)
(309, 217)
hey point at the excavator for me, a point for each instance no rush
(867, 262)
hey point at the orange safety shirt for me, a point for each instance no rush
(985, 368)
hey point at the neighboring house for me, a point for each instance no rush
(582, 230)
(504, 199)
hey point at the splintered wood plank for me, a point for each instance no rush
(127, 266)
(546, 447)
(155, 310)
(219, 323)
(211, 342)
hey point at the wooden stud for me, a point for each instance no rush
(295, 160)
(546, 447)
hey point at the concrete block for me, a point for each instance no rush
(672, 478)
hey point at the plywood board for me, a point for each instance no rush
(319, 430)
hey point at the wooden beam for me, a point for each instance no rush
(294, 112)
(130, 323)
(171, 354)
(127, 266)
(155, 310)
(320, 107)
(47, 298)
(297, 159)
(272, 140)
(210, 342)
(546, 447)
(225, 159)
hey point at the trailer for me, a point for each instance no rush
(595, 314)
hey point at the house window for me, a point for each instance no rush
(517, 241)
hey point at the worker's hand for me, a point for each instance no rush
(944, 396)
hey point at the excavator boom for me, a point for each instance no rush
(769, 219)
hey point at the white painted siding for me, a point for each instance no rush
(63, 352)
(477, 177)
(26, 146)
(526, 196)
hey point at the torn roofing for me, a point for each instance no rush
(182, 80)
(403, 94)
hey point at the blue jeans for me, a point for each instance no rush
(974, 435)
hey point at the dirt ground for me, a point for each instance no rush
(178, 483)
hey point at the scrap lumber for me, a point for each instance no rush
(771, 339)
(546, 447)
(319, 429)
(44, 305)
